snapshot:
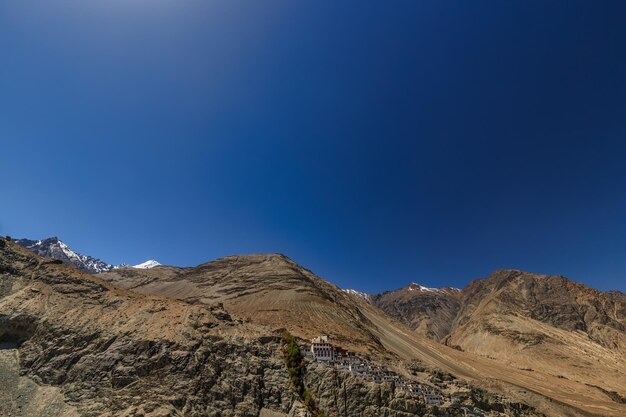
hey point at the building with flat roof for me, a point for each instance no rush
(432, 399)
(322, 349)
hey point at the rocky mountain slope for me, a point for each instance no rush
(547, 323)
(201, 341)
(531, 322)
(272, 291)
(52, 247)
(429, 311)
(72, 344)
(112, 352)
(554, 300)
(550, 299)
(264, 289)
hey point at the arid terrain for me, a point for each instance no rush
(429, 311)
(546, 326)
(206, 340)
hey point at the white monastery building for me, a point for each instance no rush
(322, 349)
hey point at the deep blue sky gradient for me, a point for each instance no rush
(376, 143)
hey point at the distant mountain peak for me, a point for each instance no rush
(414, 286)
(149, 264)
(357, 294)
(53, 247)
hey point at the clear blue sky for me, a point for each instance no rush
(376, 143)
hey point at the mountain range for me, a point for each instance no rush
(52, 247)
(206, 340)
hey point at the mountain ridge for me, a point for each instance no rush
(518, 356)
(55, 248)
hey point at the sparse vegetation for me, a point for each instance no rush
(294, 363)
(440, 376)
(297, 369)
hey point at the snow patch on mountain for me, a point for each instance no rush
(414, 286)
(418, 287)
(357, 294)
(149, 264)
(53, 247)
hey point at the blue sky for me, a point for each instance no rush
(375, 143)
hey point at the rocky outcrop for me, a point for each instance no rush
(429, 311)
(204, 341)
(20, 396)
(340, 393)
(545, 323)
(263, 289)
(124, 376)
(53, 247)
(114, 353)
(549, 299)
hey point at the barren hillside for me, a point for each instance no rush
(273, 291)
(429, 311)
(72, 344)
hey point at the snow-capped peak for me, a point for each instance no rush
(147, 265)
(67, 251)
(414, 286)
(358, 294)
(53, 247)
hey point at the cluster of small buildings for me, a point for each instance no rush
(324, 351)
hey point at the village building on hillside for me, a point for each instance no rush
(409, 387)
(322, 349)
(432, 399)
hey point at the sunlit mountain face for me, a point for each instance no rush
(312, 209)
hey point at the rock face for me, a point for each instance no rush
(547, 323)
(112, 352)
(204, 341)
(21, 396)
(54, 248)
(429, 311)
(273, 292)
(342, 394)
(264, 289)
(72, 344)
(531, 322)
(549, 299)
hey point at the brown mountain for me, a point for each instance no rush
(273, 291)
(430, 311)
(533, 322)
(265, 289)
(550, 299)
(547, 323)
(72, 344)
(202, 341)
